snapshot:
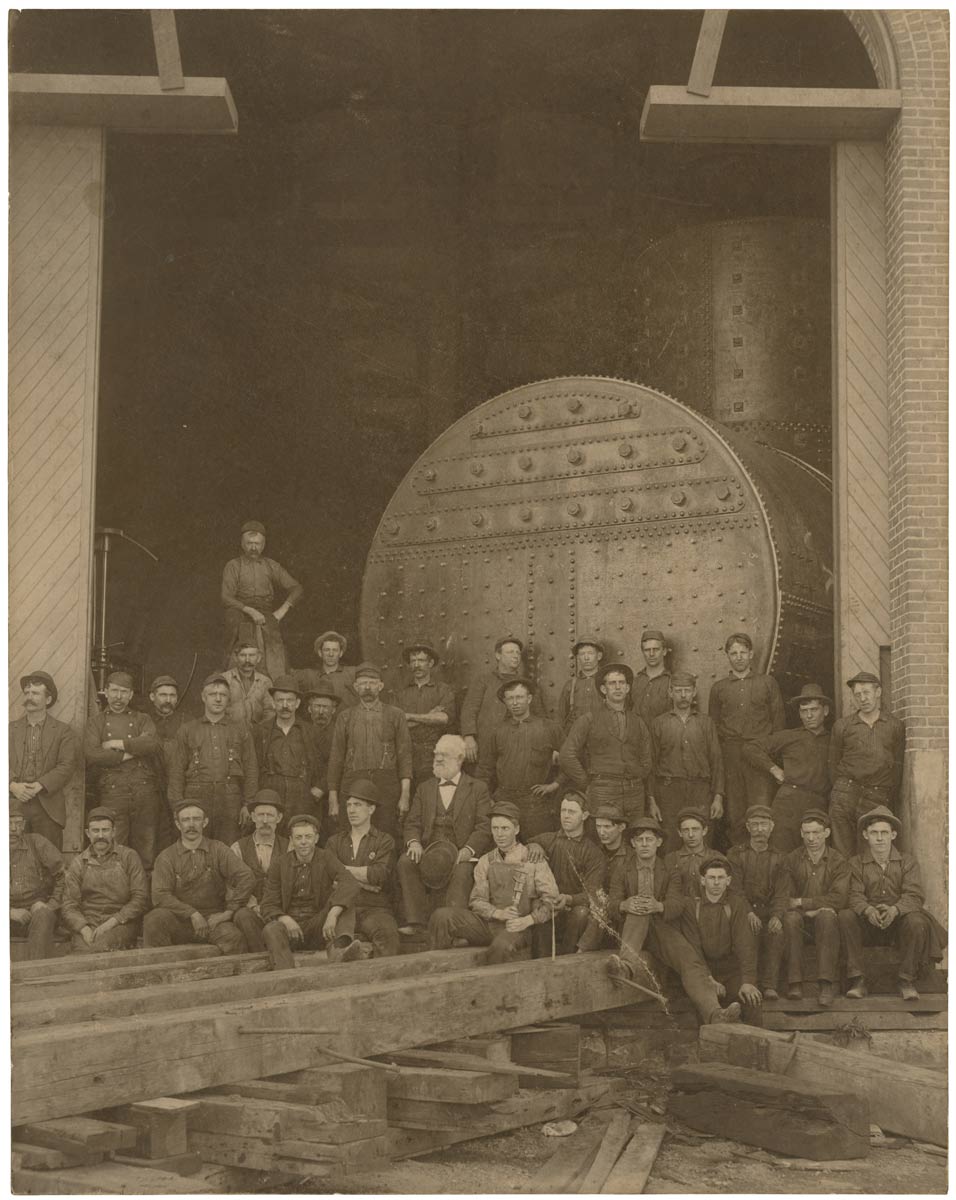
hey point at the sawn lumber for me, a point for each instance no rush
(632, 1170)
(615, 1139)
(81, 1067)
(474, 1062)
(89, 963)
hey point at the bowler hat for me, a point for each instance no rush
(683, 679)
(758, 810)
(697, 814)
(267, 796)
(100, 814)
(362, 789)
(420, 648)
(652, 635)
(621, 668)
(810, 691)
(587, 641)
(330, 635)
(215, 677)
(304, 819)
(639, 824)
(121, 679)
(254, 527)
(815, 814)
(40, 677)
(880, 813)
(285, 683)
(367, 670)
(864, 677)
(510, 683)
(610, 812)
(437, 863)
(325, 689)
(163, 681)
(504, 808)
(503, 641)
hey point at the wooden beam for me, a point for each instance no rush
(616, 1137)
(166, 43)
(777, 115)
(125, 103)
(708, 48)
(44, 968)
(37, 1012)
(93, 1065)
(632, 1170)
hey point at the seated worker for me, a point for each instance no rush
(886, 907)
(306, 892)
(760, 875)
(580, 871)
(105, 892)
(257, 850)
(36, 885)
(510, 895)
(684, 863)
(450, 808)
(637, 895)
(200, 889)
(716, 924)
(609, 825)
(817, 883)
(369, 856)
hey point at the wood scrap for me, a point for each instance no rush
(40, 1158)
(279, 1121)
(107, 1179)
(160, 1125)
(176, 1164)
(616, 1137)
(555, 1047)
(468, 1062)
(569, 1164)
(450, 1086)
(77, 1134)
(632, 1170)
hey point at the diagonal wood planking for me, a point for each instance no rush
(56, 228)
(861, 414)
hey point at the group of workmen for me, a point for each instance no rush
(310, 810)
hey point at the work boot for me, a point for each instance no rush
(827, 993)
(770, 993)
(617, 968)
(344, 949)
(725, 1016)
(857, 989)
(795, 991)
(411, 930)
(907, 990)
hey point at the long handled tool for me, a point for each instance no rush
(336, 1054)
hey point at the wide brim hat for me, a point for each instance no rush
(423, 648)
(40, 677)
(362, 789)
(810, 691)
(285, 683)
(510, 683)
(323, 690)
(607, 668)
(330, 635)
(437, 863)
(879, 813)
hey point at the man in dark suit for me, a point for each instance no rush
(43, 759)
(451, 807)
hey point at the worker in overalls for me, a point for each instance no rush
(122, 746)
(249, 585)
(213, 760)
(285, 750)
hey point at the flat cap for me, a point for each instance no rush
(758, 810)
(683, 679)
(285, 683)
(420, 648)
(609, 812)
(253, 527)
(810, 691)
(304, 819)
(739, 637)
(510, 683)
(40, 677)
(815, 814)
(186, 803)
(504, 808)
(621, 668)
(368, 669)
(362, 789)
(715, 860)
(215, 677)
(692, 814)
(267, 796)
(503, 641)
(864, 677)
(100, 814)
(652, 635)
(246, 645)
(330, 635)
(163, 681)
(880, 813)
(640, 824)
(588, 641)
(120, 678)
(16, 807)
(325, 689)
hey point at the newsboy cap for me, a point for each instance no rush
(120, 678)
(368, 669)
(588, 641)
(215, 677)
(40, 677)
(185, 803)
(864, 677)
(815, 814)
(640, 824)
(504, 808)
(163, 681)
(254, 527)
(683, 679)
(100, 814)
(758, 810)
(510, 683)
(609, 812)
(652, 635)
(715, 860)
(503, 641)
(304, 819)
(696, 814)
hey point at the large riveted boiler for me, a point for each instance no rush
(597, 506)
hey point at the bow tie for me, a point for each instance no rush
(447, 783)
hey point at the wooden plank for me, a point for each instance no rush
(911, 1101)
(166, 43)
(129, 103)
(453, 1087)
(278, 1120)
(935, 1002)
(136, 997)
(254, 1153)
(107, 1179)
(77, 1068)
(469, 1062)
(555, 1047)
(430, 1114)
(778, 115)
(26, 994)
(496, 1046)
(632, 1170)
(825, 1021)
(160, 1124)
(708, 48)
(566, 1168)
(38, 1158)
(615, 1138)
(78, 1133)
(98, 963)
(186, 1163)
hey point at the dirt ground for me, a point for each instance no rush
(688, 1161)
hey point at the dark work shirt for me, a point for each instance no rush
(596, 739)
(519, 755)
(802, 755)
(377, 853)
(746, 708)
(578, 696)
(369, 737)
(36, 871)
(245, 580)
(824, 884)
(481, 710)
(651, 697)
(761, 878)
(684, 866)
(578, 865)
(687, 749)
(721, 930)
(284, 752)
(896, 882)
(209, 752)
(869, 755)
(207, 880)
(304, 901)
